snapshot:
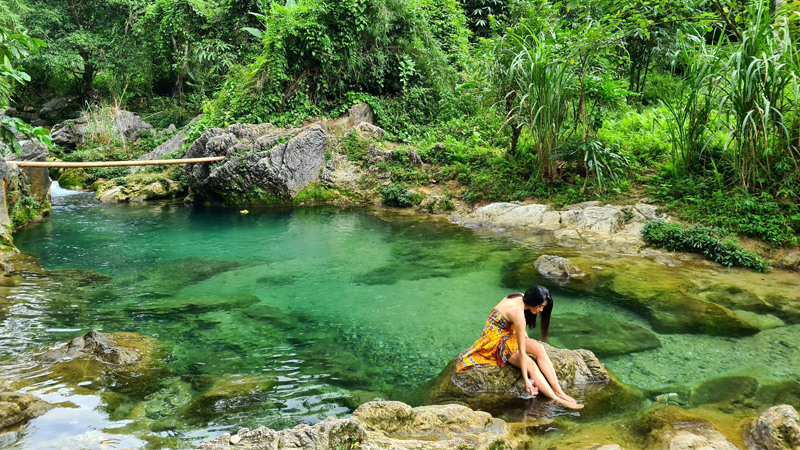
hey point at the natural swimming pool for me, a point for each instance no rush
(314, 310)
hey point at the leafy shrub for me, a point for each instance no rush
(703, 199)
(397, 195)
(701, 239)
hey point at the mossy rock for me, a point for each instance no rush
(126, 363)
(648, 426)
(600, 333)
(229, 392)
(72, 179)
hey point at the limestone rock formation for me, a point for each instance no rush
(16, 408)
(37, 179)
(380, 425)
(777, 428)
(588, 224)
(265, 165)
(71, 133)
(481, 386)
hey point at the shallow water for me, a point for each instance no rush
(315, 309)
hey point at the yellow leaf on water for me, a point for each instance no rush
(244, 211)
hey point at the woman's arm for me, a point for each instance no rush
(522, 338)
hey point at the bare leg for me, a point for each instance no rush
(543, 361)
(536, 375)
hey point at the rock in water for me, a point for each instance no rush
(557, 268)
(493, 385)
(451, 426)
(381, 425)
(265, 165)
(96, 345)
(777, 428)
(15, 408)
(695, 436)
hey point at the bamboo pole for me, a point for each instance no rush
(153, 162)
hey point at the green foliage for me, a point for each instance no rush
(315, 52)
(699, 198)
(701, 239)
(597, 158)
(355, 147)
(398, 195)
(25, 208)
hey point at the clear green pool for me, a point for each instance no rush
(324, 307)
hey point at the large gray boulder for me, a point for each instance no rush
(264, 165)
(16, 408)
(58, 108)
(494, 385)
(777, 428)
(37, 179)
(125, 125)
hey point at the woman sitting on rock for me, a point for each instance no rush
(504, 341)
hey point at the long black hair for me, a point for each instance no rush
(535, 296)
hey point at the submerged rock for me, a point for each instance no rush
(127, 363)
(557, 268)
(482, 387)
(16, 408)
(663, 297)
(777, 428)
(381, 425)
(603, 334)
(672, 428)
(103, 347)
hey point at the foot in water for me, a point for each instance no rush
(568, 404)
(567, 397)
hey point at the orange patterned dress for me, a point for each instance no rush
(495, 346)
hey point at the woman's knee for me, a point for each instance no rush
(534, 348)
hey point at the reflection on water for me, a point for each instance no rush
(273, 318)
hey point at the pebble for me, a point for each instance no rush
(235, 439)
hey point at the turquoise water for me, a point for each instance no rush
(316, 310)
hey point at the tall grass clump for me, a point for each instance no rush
(757, 96)
(536, 84)
(692, 105)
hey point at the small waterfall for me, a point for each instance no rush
(57, 191)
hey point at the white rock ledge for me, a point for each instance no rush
(589, 224)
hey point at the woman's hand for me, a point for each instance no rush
(533, 390)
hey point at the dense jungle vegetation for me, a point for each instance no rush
(693, 104)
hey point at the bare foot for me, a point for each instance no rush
(568, 404)
(567, 397)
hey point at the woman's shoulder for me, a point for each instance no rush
(508, 307)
